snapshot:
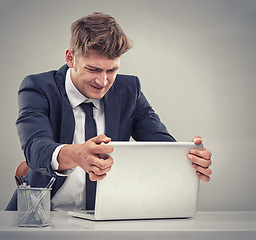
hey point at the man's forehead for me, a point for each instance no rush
(100, 62)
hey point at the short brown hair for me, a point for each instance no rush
(99, 33)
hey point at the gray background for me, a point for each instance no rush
(196, 62)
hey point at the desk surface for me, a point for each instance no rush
(205, 225)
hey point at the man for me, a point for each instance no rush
(52, 115)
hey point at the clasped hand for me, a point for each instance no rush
(92, 156)
(98, 162)
(201, 160)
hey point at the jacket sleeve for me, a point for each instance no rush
(33, 126)
(147, 124)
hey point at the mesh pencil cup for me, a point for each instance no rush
(33, 207)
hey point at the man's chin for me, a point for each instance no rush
(96, 95)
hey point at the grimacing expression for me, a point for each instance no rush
(92, 75)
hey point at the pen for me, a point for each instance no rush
(49, 185)
(18, 180)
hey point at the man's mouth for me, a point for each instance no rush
(96, 87)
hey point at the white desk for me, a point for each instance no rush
(205, 225)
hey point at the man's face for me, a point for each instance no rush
(93, 75)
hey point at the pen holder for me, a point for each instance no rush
(33, 207)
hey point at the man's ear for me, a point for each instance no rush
(69, 58)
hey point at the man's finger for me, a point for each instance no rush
(103, 163)
(203, 177)
(197, 140)
(99, 171)
(94, 177)
(205, 153)
(101, 139)
(202, 170)
(199, 161)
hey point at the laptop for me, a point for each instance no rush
(148, 180)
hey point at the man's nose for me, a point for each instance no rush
(102, 79)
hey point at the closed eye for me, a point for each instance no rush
(98, 70)
(93, 69)
(112, 70)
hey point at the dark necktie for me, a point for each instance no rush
(90, 131)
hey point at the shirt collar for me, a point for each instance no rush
(75, 97)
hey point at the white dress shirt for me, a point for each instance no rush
(72, 192)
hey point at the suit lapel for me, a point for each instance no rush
(67, 123)
(112, 108)
(67, 117)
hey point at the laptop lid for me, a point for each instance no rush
(148, 180)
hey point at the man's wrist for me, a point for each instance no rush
(55, 163)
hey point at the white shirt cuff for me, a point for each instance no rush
(55, 163)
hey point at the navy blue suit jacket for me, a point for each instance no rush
(46, 120)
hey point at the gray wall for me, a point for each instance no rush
(196, 62)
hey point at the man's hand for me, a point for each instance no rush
(201, 160)
(88, 156)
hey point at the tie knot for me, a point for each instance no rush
(88, 108)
